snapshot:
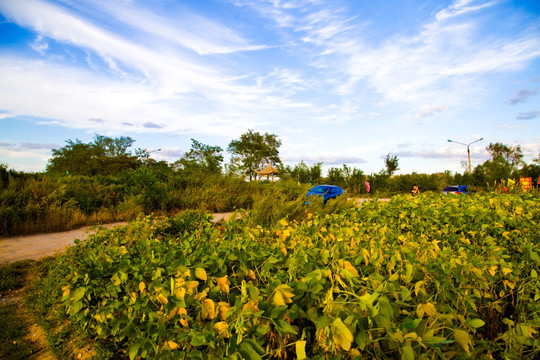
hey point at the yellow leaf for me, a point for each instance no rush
(251, 274)
(142, 286)
(223, 283)
(208, 309)
(342, 335)
(284, 222)
(123, 250)
(182, 312)
(201, 296)
(172, 345)
(179, 293)
(221, 328)
(115, 279)
(393, 277)
(463, 339)
(191, 286)
(284, 250)
(223, 307)
(172, 313)
(300, 350)
(493, 270)
(283, 295)
(162, 299)
(506, 271)
(350, 268)
(418, 287)
(429, 309)
(365, 254)
(200, 273)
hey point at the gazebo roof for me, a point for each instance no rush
(269, 170)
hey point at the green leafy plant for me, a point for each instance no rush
(429, 276)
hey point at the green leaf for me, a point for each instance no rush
(79, 294)
(284, 327)
(248, 351)
(342, 335)
(134, 349)
(407, 353)
(475, 323)
(433, 340)
(463, 339)
(76, 307)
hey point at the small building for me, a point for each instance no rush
(267, 171)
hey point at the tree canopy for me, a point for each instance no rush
(104, 155)
(254, 151)
(201, 157)
(391, 164)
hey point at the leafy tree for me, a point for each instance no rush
(354, 179)
(301, 173)
(112, 147)
(512, 155)
(504, 162)
(336, 176)
(391, 163)
(103, 156)
(201, 157)
(254, 151)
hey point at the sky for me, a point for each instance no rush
(338, 81)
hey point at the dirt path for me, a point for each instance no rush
(40, 245)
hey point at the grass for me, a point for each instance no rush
(15, 342)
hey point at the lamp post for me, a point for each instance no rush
(147, 156)
(153, 151)
(468, 150)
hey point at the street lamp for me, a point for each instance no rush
(160, 150)
(468, 150)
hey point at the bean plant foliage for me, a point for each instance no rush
(414, 278)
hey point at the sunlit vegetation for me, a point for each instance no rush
(431, 277)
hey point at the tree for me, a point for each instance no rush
(104, 155)
(504, 162)
(391, 163)
(512, 155)
(254, 151)
(201, 157)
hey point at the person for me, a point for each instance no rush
(415, 190)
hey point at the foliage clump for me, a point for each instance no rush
(424, 277)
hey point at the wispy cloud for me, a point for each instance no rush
(528, 115)
(325, 159)
(446, 60)
(521, 96)
(426, 111)
(39, 45)
(511, 127)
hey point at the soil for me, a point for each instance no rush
(40, 245)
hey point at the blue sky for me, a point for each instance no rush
(339, 81)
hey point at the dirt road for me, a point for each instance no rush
(40, 245)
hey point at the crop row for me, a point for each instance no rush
(424, 277)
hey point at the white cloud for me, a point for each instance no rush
(183, 27)
(426, 110)
(39, 45)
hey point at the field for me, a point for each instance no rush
(429, 277)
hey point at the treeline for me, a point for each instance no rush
(102, 181)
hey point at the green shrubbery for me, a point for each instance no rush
(55, 201)
(425, 277)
